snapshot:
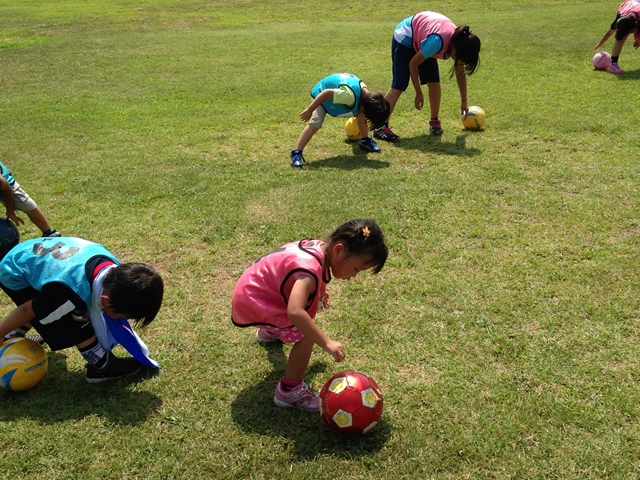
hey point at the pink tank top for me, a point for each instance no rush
(630, 6)
(427, 23)
(262, 293)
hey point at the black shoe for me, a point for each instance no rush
(114, 368)
(385, 133)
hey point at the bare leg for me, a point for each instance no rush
(617, 47)
(299, 359)
(305, 136)
(37, 218)
(392, 97)
(435, 96)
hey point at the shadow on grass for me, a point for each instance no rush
(254, 412)
(65, 395)
(434, 144)
(349, 162)
(629, 75)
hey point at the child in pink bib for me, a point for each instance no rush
(281, 293)
(626, 22)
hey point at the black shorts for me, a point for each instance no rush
(65, 332)
(401, 56)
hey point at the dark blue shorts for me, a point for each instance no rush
(401, 56)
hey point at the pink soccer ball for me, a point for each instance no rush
(601, 61)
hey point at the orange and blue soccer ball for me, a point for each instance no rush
(351, 129)
(475, 119)
(351, 403)
(23, 363)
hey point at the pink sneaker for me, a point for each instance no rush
(264, 337)
(614, 68)
(300, 397)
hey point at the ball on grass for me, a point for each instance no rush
(475, 118)
(351, 129)
(23, 363)
(601, 61)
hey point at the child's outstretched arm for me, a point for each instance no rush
(7, 196)
(461, 78)
(18, 317)
(303, 322)
(604, 39)
(323, 96)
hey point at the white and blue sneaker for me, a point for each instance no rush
(369, 144)
(297, 159)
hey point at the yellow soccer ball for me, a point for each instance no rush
(351, 129)
(23, 363)
(475, 119)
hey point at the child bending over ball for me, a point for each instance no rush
(626, 22)
(13, 197)
(281, 293)
(418, 43)
(76, 293)
(342, 95)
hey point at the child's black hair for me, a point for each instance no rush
(361, 238)
(467, 47)
(625, 25)
(375, 107)
(135, 289)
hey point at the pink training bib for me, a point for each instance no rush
(262, 293)
(427, 23)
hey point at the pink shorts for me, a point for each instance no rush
(287, 335)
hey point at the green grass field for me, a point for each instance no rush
(503, 330)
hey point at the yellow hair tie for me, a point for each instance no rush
(366, 232)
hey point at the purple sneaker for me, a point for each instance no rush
(614, 68)
(300, 397)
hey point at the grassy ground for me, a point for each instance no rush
(503, 330)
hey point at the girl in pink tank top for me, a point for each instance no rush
(281, 293)
(626, 22)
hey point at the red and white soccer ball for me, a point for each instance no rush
(351, 403)
(601, 61)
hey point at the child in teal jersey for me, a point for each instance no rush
(13, 197)
(342, 95)
(76, 293)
